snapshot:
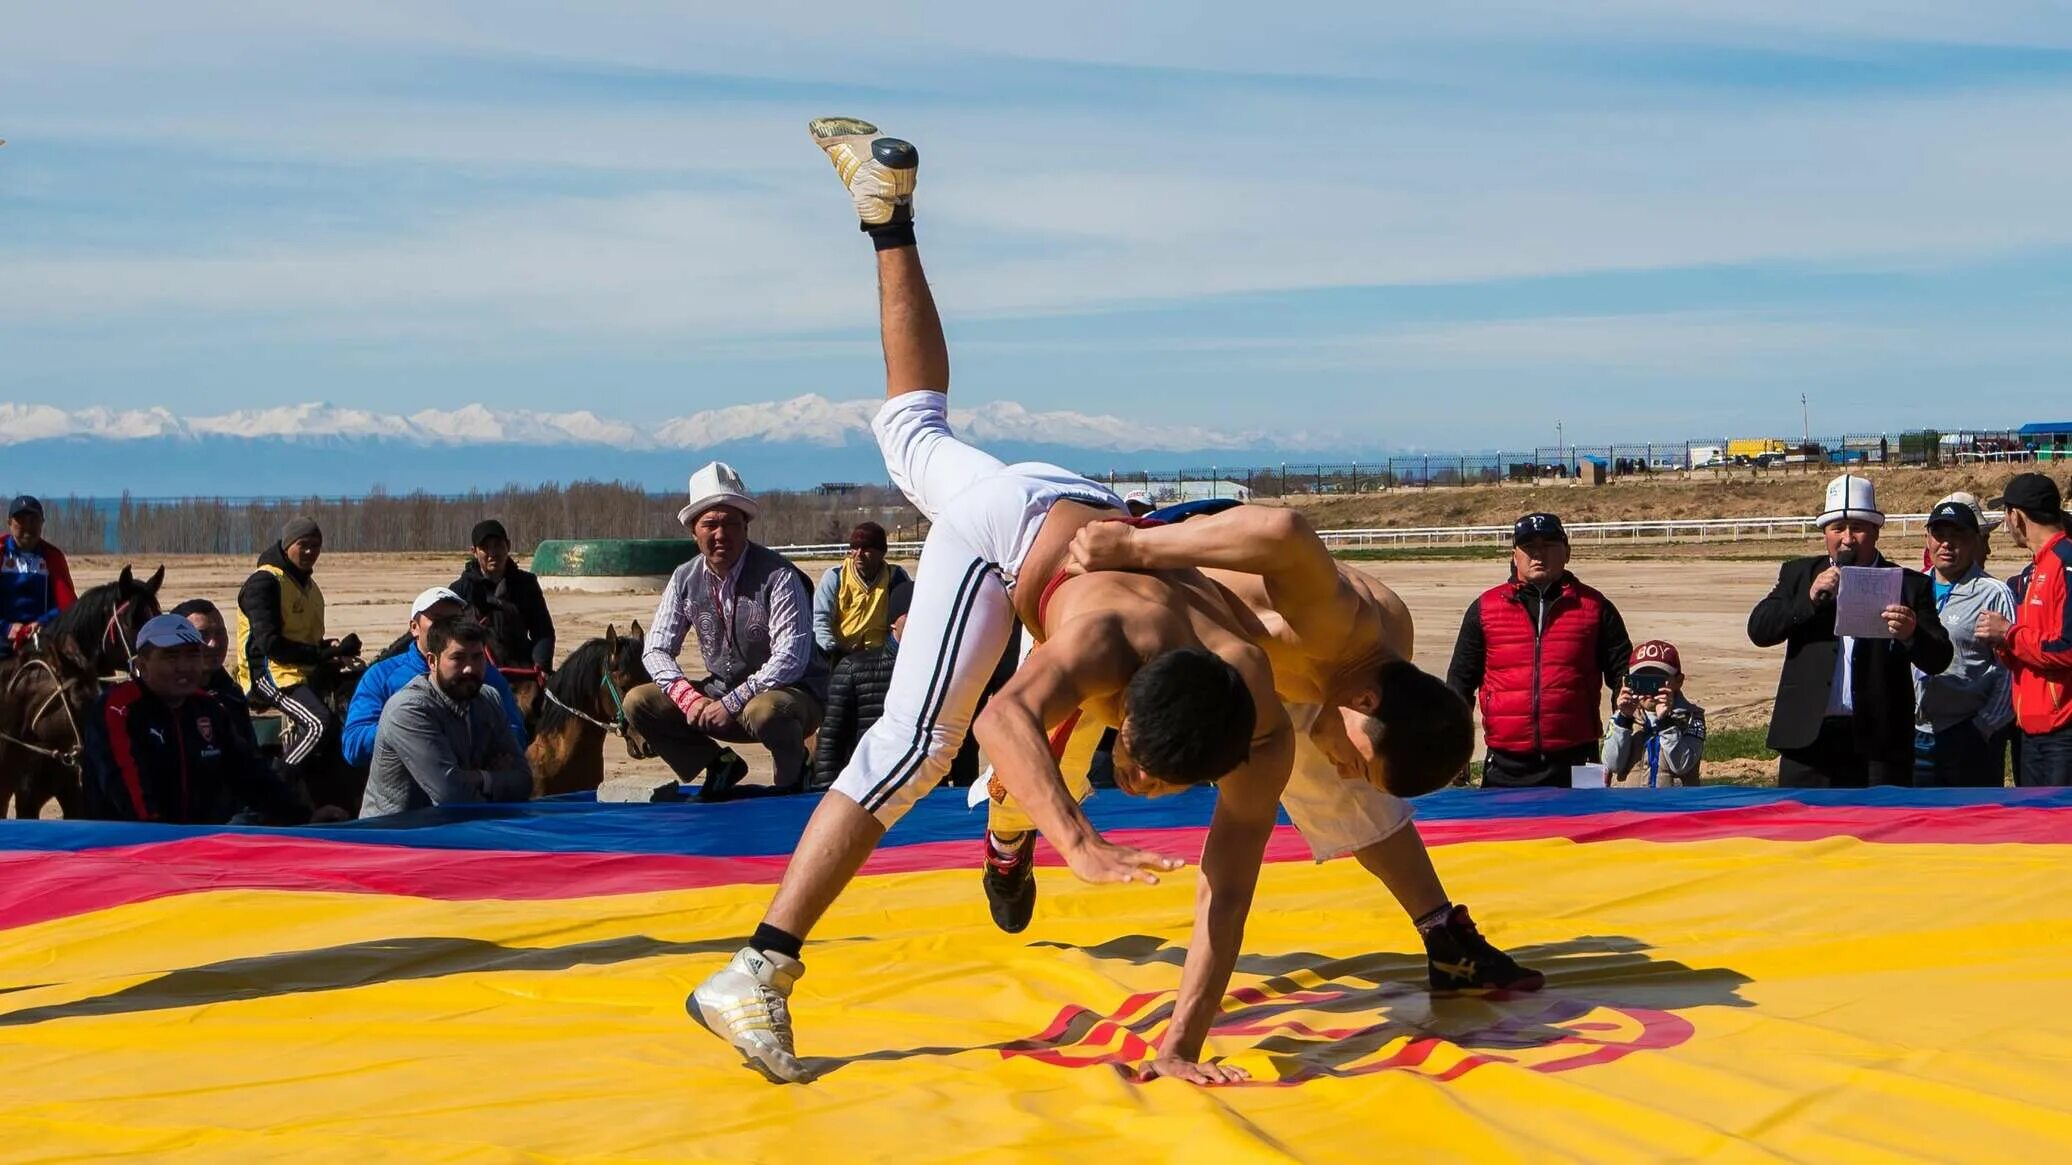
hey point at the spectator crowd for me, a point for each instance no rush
(1946, 676)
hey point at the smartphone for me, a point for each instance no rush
(1646, 683)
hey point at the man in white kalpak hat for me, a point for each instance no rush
(1844, 716)
(753, 612)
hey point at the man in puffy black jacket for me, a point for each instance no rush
(855, 700)
(160, 748)
(508, 601)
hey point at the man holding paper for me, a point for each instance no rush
(1855, 626)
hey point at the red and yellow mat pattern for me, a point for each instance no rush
(1733, 975)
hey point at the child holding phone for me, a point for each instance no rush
(1656, 737)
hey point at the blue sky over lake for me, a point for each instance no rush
(1427, 228)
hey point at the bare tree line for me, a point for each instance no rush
(432, 522)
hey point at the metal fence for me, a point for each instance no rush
(1705, 530)
(1696, 459)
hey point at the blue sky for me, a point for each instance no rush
(1404, 227)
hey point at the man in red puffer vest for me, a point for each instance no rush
(1536, 648)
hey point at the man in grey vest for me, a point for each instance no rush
(752, 610)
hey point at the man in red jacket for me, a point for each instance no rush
(2037, 646)
(1536, 647)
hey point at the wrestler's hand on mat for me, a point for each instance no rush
(1101, 860)
(1102, 546)
(1192, 1071)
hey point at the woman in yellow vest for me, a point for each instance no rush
(280, 640)
(853, 607)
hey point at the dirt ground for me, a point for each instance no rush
(1745, 493)
(1701, 605)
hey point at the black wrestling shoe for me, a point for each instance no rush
(1460, 959)
(1011, 884)
(879, 171)
(725, 772)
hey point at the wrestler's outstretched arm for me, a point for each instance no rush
(1246, 802)
(1090, 658)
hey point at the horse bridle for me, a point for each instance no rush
(67, 757)
(611, 688)
(117, 632)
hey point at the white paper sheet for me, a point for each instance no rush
(1860, 603)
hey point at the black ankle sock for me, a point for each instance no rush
(777, 942)
(1431, 920)
(887, 236)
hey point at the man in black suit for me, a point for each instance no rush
(1844, 716)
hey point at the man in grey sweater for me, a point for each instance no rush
(444, 739)
(1958, 715)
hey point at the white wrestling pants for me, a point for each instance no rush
(984, 517)
(1335, 816)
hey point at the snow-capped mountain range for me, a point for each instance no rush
(326, 449)
(804, 420)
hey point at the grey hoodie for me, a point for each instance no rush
(432, 750)
(1975, 685)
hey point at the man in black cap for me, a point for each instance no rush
(281, 642)
(1536, 647)
(2037, 645)
(35, 581)
(508, 601)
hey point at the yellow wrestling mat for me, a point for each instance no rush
(1765, 980)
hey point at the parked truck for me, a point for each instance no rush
(1757, 450)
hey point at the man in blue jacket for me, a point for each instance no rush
(388, 676)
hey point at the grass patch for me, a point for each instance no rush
(1739, 744)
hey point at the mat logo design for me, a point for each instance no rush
(1324, 1028)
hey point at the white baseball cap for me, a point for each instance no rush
(168, 631)
(431, 597)
(1138, 495)
(716, 484)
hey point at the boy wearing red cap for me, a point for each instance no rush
(1657, 737)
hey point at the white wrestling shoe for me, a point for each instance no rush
(879, 171)
(744, 1003)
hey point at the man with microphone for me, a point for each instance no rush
(1844, 716)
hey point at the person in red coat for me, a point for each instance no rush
(1536, 648)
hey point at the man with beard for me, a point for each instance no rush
(443, 739)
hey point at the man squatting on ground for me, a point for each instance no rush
(1164, 656)
(1366, 718)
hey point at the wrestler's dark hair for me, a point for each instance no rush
(1422, 731)
(1190, 717)
(457, 629)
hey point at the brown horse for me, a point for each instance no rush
(102, 624)
(45, 700)
(585, 700)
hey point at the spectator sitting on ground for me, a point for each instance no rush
(1536, 647)
(1844, 714)
(1959, 715)
(35, 580)
(390, 674)
(507, 600)
(207, 621)
(2036, 646)
(852, 607)
(1651, 718)
(766, 682)
(444, 739)
(157, 747)
(1138, 502)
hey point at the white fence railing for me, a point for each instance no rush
(1663, 530)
